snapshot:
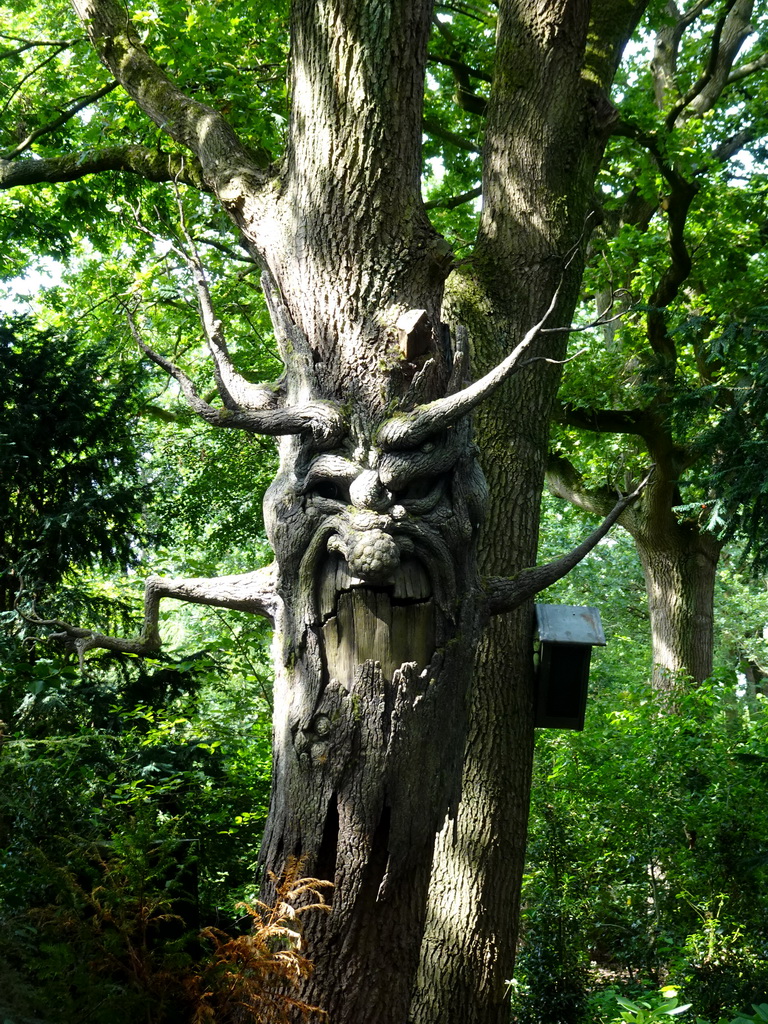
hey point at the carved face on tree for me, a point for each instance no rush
(374, 545)
(374, 535)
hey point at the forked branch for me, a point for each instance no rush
(258, 408)
(506, 594)
(234, 390)
(321, 419)
(253, 592)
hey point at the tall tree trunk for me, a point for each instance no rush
(548, 121)
(679, 562)
(370, 691)
(375, 512)
(679, 568)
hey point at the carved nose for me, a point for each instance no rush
(368, 492)
(372, 555)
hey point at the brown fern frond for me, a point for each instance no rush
(258, 972)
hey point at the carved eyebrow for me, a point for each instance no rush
(436, 456)
(330, 467)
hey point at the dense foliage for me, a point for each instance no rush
(72, 484)
(647, 855)
(132, 799)
(133, 793)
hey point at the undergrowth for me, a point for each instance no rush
(113, 944)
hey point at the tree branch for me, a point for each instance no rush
(253, 592)
(465, 95)
(750, 68)
(453, 201)
(504, 595)
(457, 65)
(469, 11)
(677, 205)
(30, 44)
(603, 421)
(148, 163)
(234, 390)
(226, 163)
(731, 29)
(737, 141)
(76, 105)
(323, 420)
(30, 74)
(649, 141)
(432, 126)
(565, 481)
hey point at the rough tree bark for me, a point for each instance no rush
(378, 594)
(548, 120)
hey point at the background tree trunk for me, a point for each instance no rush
(679, 568)
(679, 562)
(548, 122)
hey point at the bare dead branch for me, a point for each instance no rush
(504, 595)
(247, 406)
(234, 390)
(253, 592)
(600, 321)
(552, 362)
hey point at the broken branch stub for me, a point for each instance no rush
(412, 428)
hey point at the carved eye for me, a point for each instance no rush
(416, 490)
(334, 490)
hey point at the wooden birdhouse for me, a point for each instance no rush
(566, 636)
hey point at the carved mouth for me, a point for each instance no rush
(391, 623)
